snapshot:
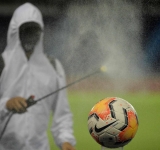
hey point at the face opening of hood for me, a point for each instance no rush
(29, 34)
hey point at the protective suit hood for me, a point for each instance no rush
(23, 14)
(26, 13)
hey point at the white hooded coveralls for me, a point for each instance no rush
(20, 77)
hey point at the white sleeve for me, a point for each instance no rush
(3, 110)
(4, 114)
(62, 126)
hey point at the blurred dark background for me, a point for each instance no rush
(54, 10)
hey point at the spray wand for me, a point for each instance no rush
(30, 101)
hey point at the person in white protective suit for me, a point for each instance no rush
(28, 71)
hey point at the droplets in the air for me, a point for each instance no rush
(102, 33)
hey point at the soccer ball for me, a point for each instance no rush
(113, 122)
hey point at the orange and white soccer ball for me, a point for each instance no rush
(113, 122)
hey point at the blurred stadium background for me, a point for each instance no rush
(124, 35)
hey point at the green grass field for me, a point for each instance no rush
(146, 104)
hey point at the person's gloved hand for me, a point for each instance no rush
(17, 104)
(67, 146)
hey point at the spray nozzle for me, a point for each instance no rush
(30, 101)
